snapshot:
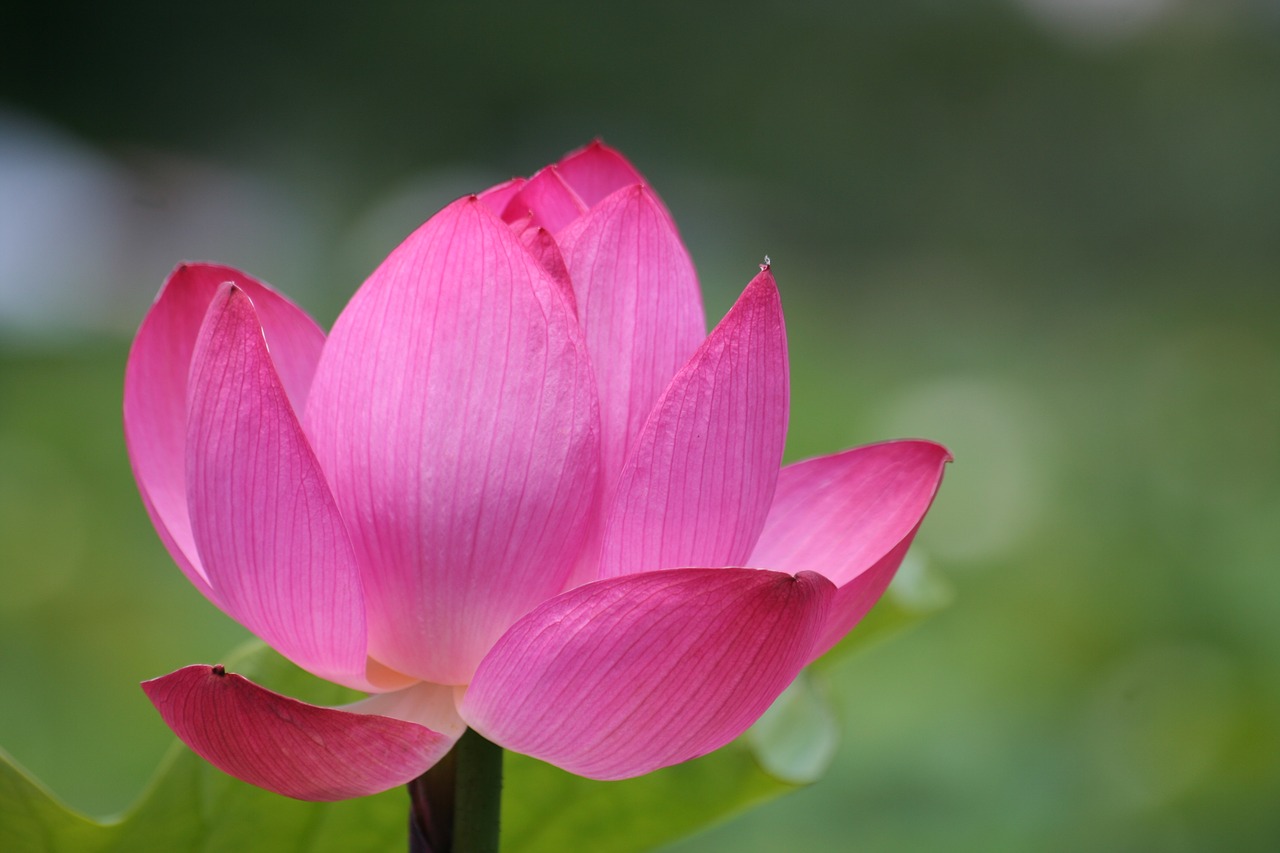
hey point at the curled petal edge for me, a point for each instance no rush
(305, 751)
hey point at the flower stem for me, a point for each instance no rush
(478, 793)
(456, 804)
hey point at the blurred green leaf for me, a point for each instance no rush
(32, 819)
(547, 809)
(798, 736)
(190, 805)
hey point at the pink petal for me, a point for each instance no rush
(699, 482)
(596, 171)
(496, 198)
(623, 676)
(840, 514)
(544, 248)
(454, 411)
(639, 307)
(552, 203)
(155, 390)
(265, 524)
(856, 597)
(851, 516)
(300, 750)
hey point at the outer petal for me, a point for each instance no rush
(639, 307)
(855, 598)
(300, 750)
(623, 676)
(552, 203)
(454, 412)
(697, 486)
(155, 390)
(267, 529)
(497, 197)
(596, 171)
(851, 516)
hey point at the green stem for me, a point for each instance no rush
(456, 804)
(478, 795)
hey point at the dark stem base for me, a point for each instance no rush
(455, 806)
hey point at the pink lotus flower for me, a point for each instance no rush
(517, 488)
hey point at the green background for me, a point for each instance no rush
(1050, 240)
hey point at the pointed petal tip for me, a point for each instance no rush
(290, 747)
(925, 447)
(763, 284)
(593, 151)
(596, 170)
(497, 196)
(186, 267)
(235, 295)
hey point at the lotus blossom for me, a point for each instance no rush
(517, 488)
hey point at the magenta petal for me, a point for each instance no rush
(496, 198)
(551, 201)
(851, 516)
(296, 749)
(596, 171)
(623, 676)
(856, 597)
(840, 514)
(639, 307)
(544, 248)
(454, 412)
(267, 529)
(699, 482)
(155, 390)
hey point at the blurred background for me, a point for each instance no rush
(1043, 232)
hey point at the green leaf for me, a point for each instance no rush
(545, 809)
(797, 737)
(31, 818)
(190, 805)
